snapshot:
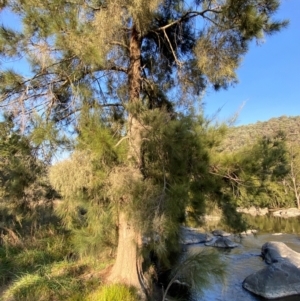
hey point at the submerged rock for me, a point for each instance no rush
(281, 278)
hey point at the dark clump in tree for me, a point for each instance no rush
(141, 64)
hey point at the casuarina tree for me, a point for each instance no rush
(143, 64)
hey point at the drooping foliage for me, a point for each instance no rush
(175, 176)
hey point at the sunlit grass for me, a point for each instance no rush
(113, 292)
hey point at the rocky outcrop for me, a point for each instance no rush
(281, 278)
(254, 211)
(286, 213)
(210, 218)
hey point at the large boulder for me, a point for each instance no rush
(281, 278)
(275, 251)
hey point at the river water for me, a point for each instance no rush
(245, 260)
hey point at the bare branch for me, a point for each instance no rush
(173, 52)
(187, 16)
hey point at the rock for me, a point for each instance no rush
(277, 280)
(275, 251)
(253, 211)
(192, 236)
(281, 278)
(220, 233)
(286, 213)
(209, 218)
(249, 232)
(221, 242)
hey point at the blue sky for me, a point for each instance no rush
(269, 79)
(269, 84)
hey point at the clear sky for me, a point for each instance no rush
(269, 80)
(269, 77)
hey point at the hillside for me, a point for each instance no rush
(240, 136)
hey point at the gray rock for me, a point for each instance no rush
(220, 233)
(281, 278)
(192, 236)
(249, 232)
(275, 251)
(221, 242)
(277, 280)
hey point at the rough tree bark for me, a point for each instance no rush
(127, 267)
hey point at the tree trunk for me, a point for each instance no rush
(295, 186)
(127, 268)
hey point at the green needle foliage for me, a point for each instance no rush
(24, 187)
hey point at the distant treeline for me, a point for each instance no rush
(239, 136)
(261, 163)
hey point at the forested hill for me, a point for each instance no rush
(240, 136)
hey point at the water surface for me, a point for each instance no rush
(245, 260)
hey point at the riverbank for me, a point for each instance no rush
(280, 212)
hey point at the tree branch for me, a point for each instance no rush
(187, 16)
(171, 47)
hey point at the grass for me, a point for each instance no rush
(65, 281)
(17, 260)
(113, 292)
(41, 269)
(58, 281)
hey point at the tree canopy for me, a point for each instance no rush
(89, 51)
